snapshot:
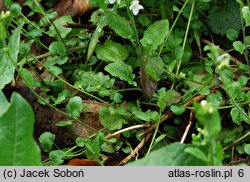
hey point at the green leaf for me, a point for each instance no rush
(177, 110)
(96, 35)
(145, 116)
(57, 48)
(56, 70)
(74, 106)
(112, 118)
(196, 152)
(47, 140)
(9, 58)
(232, 34)
(246, 15)
(33, 6)
(229, 17)
(111, 51)
(94, 82)
(153, 68)
(237, 116)
(215, 98)
(15, 10)
(80, 142)
(4, 104)
(59, 24)
(64, 123)
(247, 148)
(25, 47)
(155, 35)
(35, 32)
(16, 128)
(28, 78)
(57, 157)
(121, 70)
(144, 20)
(120, 25)
(171, 155)
(167, 98)
(239, 46)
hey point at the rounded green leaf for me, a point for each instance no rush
(57, 48)
(80, 142)
(239, 46)
(236, 115)
(57, 157)
(111, 119)
(74, 106)
(121, 70)
(177, 110)
(15, 10)
(247, 149)
(47, 140)
(232, 34)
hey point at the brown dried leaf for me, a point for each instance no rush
(83, 162)
(72, 7)
(149, 85)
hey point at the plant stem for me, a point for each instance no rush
(67, 83)
(154, 135)
(185, 38)
(238, 140)
(172, 27)
(131, 17)
(44, 14)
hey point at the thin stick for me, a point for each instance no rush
(190, 122)
(136, 150)
(127, 129)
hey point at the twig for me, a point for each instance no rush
(127, 129)
(136, 150)
(190, 122)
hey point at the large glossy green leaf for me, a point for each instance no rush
(8, 58)
(155, 35)
(170, 155)
(16, 135)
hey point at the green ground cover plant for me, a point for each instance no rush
(172, 79)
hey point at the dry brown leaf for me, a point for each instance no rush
(72, 7)
(83, 162)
